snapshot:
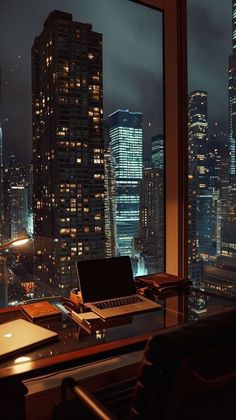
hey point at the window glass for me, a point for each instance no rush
(81, 141)
(212, 140)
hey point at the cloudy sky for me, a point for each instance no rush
(209, 47)
(132, 59)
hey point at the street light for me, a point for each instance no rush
(15, 242)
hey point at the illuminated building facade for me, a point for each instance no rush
(228, 233)
(151, 225)
(16, 198)
(18, 211)
(68, 149)
(109, 203)
(194, 266)
(158, 151)
(218, 159)
(125, 129)
(198, 165)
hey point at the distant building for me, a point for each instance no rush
(198, 168)
(220, 280)
(151, 225)
(218, 159)
(109, 202)
(68, 149)
(158, 151)
(125, 129)
(16, 198)
(228, 233)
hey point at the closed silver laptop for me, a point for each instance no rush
(108, 289)
(20, 335)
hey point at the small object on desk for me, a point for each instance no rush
(76, 297)
(92, 322)
(162, 281)
(40, 310)
(88, 320)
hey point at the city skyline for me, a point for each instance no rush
(95, 193)
(205, 23)
(128, 76)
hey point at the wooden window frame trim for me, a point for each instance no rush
(175, 131)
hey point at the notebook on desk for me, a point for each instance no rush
(108, 289)
(20, 335)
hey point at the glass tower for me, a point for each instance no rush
(125, 129)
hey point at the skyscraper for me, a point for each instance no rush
(125, 129)
(198, 154)
(158, 151)
(232, 99)
(109, 202)
(151, 225)
(68, 149)
(16, 194)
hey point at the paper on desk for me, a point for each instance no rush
(86, 316)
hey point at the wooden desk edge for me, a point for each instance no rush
(60, 362)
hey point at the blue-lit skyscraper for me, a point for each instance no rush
(125, 129)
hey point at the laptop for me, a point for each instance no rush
(108, 289)
(20, 335)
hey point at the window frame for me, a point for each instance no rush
(175, 131)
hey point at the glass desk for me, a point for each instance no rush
(76, 347)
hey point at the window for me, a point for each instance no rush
(99, 141)
(211, 142)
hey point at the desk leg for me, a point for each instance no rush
(12, 399)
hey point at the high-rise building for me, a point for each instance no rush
(125, 129)
(198, 132)
(228, 232)
(16, 193)
(110, 206)
(68, 149)
(218, 159)
(198, 154)
(109, 202)
(158, 151)
(194, 265)
(232, 99)
(151, 225)
(226, 243)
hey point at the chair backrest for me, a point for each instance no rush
(167, 387)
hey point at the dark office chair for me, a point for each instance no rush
(188, 372)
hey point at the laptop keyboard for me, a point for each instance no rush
(118, 302)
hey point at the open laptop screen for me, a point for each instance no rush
(107, 278)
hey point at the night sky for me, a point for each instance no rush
(132, 59)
